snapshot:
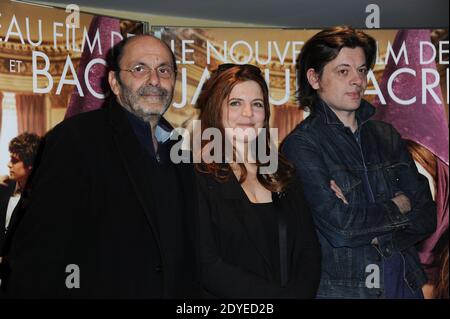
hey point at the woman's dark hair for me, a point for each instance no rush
(25, 146)
(323, 48)
(217, 90)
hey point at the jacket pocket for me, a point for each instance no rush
(396, 175)
(346, 179)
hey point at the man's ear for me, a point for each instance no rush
(313, 78)
(113, 82)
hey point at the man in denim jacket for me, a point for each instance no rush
(370, 204)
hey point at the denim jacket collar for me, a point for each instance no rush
(363, 113)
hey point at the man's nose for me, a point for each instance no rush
(358, 78)
(153, 78)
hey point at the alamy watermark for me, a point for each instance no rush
(73, 277)
(373, 278)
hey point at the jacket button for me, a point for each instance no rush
(158, 268)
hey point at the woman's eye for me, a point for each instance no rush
(343, 72)
(234, 103)
(258, 104)
(363, 70)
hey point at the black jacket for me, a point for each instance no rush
(234, 252)
(98, 201)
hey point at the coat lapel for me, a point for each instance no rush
(5, 193)
(134, 161)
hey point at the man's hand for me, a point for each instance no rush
(402, 202)
(337, 191)
(3, 180)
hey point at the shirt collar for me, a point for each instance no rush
(17, 190)
(163, 130)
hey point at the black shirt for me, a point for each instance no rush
(267, 214)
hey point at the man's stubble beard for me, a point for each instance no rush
(130, 101)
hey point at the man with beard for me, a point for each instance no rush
(108, 215)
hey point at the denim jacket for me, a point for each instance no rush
(323, 149)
